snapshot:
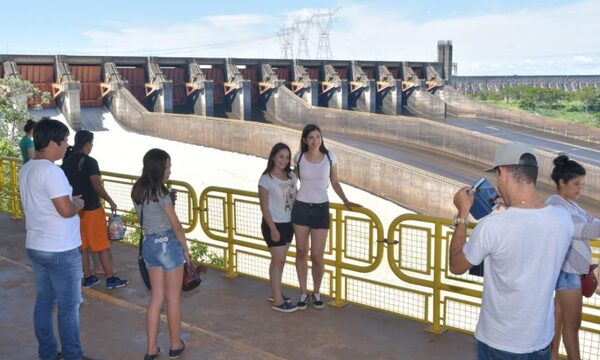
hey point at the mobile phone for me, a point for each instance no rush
(485, 199)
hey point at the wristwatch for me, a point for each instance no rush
(460, 220)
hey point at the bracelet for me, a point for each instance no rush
(460, 220)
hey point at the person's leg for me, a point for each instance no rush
(85, 262)
(45, 300)
(317, 249)
(98, 270)
(67, 282)
(557, 328)
(173, 280)
(302, 233)
(106, 260)
(571, 302)
(278, 256)
(157, 295)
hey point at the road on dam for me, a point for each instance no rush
(467, 171)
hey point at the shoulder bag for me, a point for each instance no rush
(589, 283)
(141, 262)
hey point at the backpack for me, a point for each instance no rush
(300, 158)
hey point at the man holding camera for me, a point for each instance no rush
(524, 247)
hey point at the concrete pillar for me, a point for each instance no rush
(334, 93)
(303, 86)
(389, 92)
(433, 80)
(67, 97)
(200, 90)
(445, 57)
(362, 90)
(237, 93)
(159, 89)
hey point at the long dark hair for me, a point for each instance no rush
(271, 162)
(152, 179)
(566, 169)
(307, 130)
(82, 137)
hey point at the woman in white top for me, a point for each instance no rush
(316, 167)
(277, 193)
(569, 177)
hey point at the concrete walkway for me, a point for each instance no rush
(223, 319)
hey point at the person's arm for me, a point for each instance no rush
(66, 207)
(463, 200)
(177, 228)
(30, 152)
(263, 197)
(97, 185)
(337, 187)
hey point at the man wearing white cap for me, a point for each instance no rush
(524, 247)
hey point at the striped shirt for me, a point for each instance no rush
(579, 255)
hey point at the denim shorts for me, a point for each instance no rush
(162, 249)
(315, 216)
(486, 352)
(286, 233)
(568, 281)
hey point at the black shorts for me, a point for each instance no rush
(286, 233)
(315, 216)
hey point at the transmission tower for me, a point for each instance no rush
(302, 30)
(286, 40)
(324, 20)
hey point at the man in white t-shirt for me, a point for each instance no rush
(524, 247)
(52, 242)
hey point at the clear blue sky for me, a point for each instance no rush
(489, 37)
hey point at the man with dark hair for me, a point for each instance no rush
(53, 241)
(524, 247)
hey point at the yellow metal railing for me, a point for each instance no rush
(414, 282)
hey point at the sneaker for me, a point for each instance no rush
(59, 356)
(90, 281)
(285, 298)
(286, 307)
(303, 303)
(317, 303)
(115, 282)
(153, 356)
(174, 354)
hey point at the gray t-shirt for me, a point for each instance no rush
(155, 218)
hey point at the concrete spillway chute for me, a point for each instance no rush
(303, 86)
(362, 90)
(389, 94)
(200, 90)
(66, 94)
(433, 80)
(237, 92)
(334, 91)
(159, 89)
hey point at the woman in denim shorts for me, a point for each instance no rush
(164, 249)
(569, 177)
(316, 167)
(277, 193)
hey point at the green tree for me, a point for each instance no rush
(589, 97)
(14, 96)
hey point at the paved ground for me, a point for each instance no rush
(223, 319)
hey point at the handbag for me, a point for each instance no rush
(116, 227)
(589, 282)
(191, 278)
(141, 262)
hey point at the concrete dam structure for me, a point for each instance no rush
(202, 100)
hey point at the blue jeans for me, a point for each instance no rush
(57, 282)
(485, 352)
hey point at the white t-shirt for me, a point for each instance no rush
(40, 181)
(523, 251)
(314, 178)
(282, 194)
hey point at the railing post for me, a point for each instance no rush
(231, 274)
(16, 211)
(338, 302)
(436, 327)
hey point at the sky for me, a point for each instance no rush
(490, 37)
